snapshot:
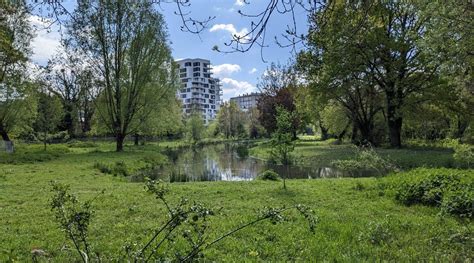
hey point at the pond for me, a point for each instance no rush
(230, 162)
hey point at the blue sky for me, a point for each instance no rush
(239, 72)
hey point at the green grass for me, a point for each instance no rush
(358, 220)
(323, 153)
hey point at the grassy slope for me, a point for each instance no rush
(348, 218)
(323, 153)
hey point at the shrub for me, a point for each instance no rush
(242, 151)
(269, 175)
(377, 233)
(365, 159)
(452, 190)
(103, 168)
(464, 155)
(459, 202)
(120, 168)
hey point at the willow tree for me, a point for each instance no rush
(127, 44)
(15, 36)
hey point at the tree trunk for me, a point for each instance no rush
(119, 140)
(394, 122)
(460, 128)
(324, 132)
(4, 135)
(394, 117)
(137, 139)
(354, 133)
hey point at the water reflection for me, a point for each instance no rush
(230, 162)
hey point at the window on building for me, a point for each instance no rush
(183, 96)
(182, 75)
(182, 70)
(187, 64)
(197, 74)
(213, 106)
(188, 90)
(207, 75)
(196, 64)
(196, 69)
(206, 96)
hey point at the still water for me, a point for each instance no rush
(230, 162)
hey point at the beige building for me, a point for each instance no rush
(246, 101)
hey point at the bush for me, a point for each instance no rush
(103, 168)
(464, 155)
(459, 202)
(269, 175)
(377, 233)
(120, 168)
(452, 190)
(365, 159)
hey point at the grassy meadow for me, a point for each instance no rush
(358, 218)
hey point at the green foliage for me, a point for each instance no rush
(73, 218)
(269, 175)
(464, 155)
(103, 168)
(81, 144)
(282, 139)
(242, 151)
(366, 159)
(195, 128)
(377, 233)
(126, 215)
(231, 120)
(117, 169)
(33, 154)
(48, 116)
(452, 190)
(188, 224)
(120, 168)
(140, 73)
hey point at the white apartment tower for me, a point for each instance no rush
(199, 90)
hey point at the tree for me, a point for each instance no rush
(255, 129)
(15, 36)
(127, 44)
(70, 78)
(195, 127)
(48, 116)
(231, 120)
(281, 142)
(278, 86)
(373, 49)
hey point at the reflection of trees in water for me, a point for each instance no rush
(220, 162)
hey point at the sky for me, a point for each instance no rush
(239, 72)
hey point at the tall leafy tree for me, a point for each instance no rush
(127, 44)
(15, 37)
(70, 77)
(48, 116)
(231, 120)
(278, 86)
(377, 47)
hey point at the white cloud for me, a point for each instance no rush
(253, 71)
(45, 43)
(232, 87)
(239, 3)
(229, 28)
(224, 69)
